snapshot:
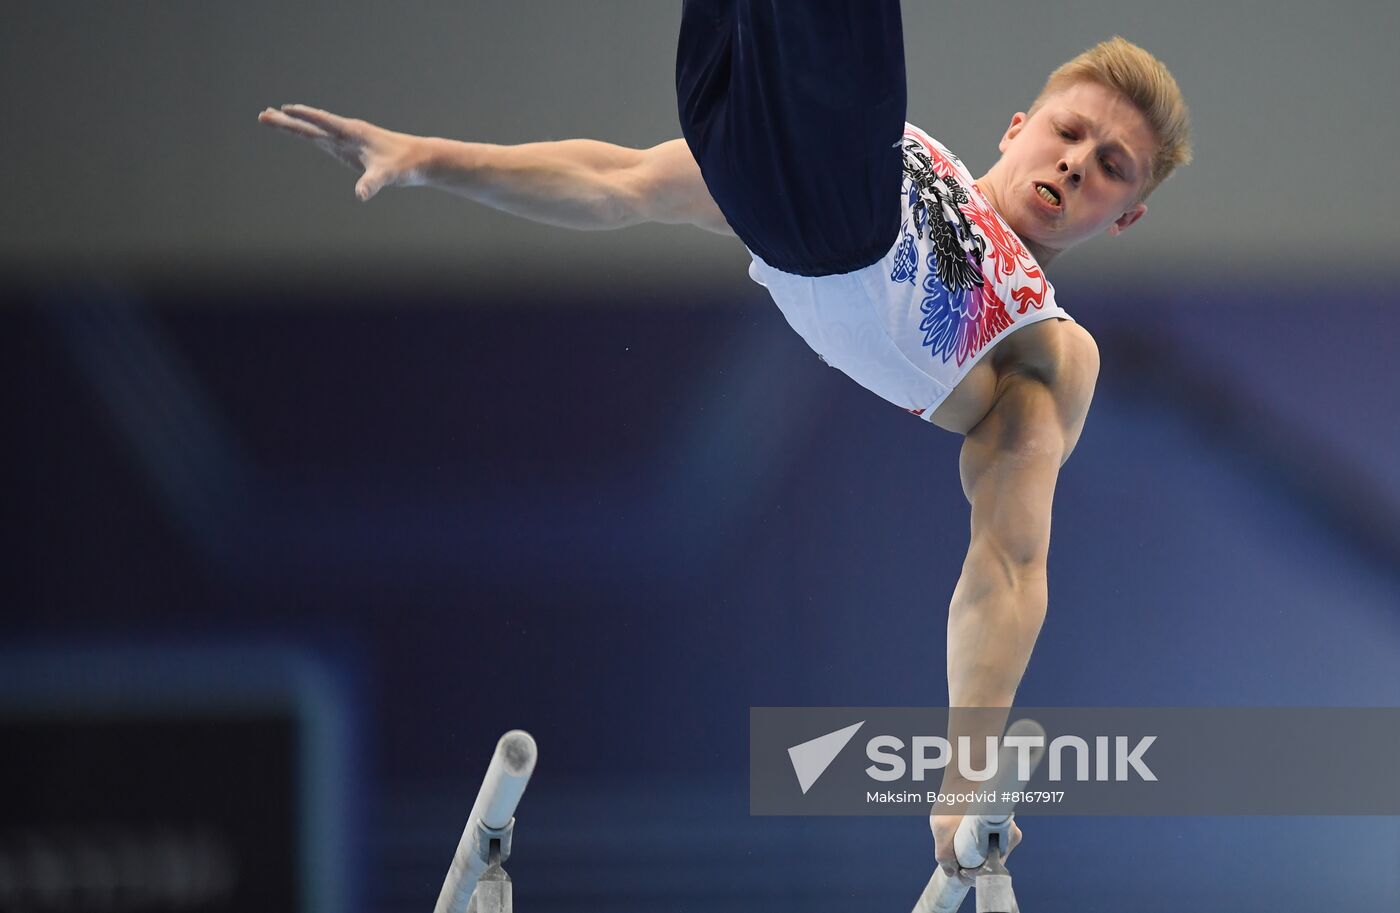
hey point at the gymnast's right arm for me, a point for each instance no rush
(582, 184)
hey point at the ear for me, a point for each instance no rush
(1018, 122)
(1137, 211)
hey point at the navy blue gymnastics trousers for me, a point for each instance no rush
(794, 110)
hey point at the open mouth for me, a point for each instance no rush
(1048, 194)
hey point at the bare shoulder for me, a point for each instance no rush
(1060, 359)
(1060, 354)
(1077, 368)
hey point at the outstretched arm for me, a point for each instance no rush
(581, 184)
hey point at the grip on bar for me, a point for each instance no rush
(945, 893)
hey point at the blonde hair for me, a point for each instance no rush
(1145, 81)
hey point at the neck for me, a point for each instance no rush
(992, 190)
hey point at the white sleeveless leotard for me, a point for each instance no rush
(910, 326)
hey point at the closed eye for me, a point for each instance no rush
(1107, 166)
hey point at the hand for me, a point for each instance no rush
(386, 158)
(944, 827)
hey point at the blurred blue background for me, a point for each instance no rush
(397, 478)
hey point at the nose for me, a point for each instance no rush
(1072, 170)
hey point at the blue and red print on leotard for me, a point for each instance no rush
(972, 254)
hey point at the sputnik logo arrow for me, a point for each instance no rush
(811, 759)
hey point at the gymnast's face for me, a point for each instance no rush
(1073, 169)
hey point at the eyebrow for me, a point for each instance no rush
(1114, 145)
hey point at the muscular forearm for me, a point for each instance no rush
(993, 621)
(571, 183)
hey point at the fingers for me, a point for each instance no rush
(944, 828)
(965, 877)
(948, 862)
(370, 183)
(331, 123)
(1015, 840)
(288, 124)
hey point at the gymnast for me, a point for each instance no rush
(897, 267)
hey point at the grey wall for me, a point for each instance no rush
(131, 141)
